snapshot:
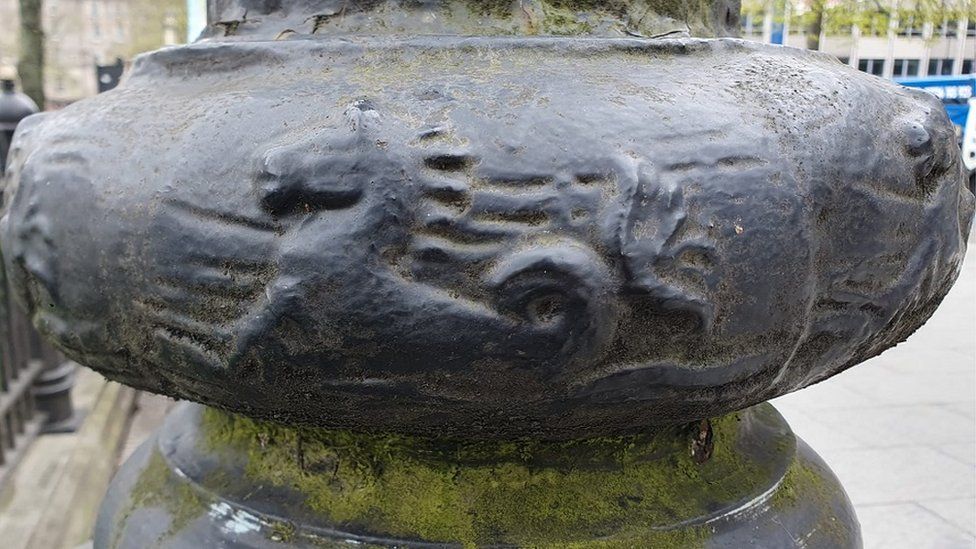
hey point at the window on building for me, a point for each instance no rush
(912, 67)
(940, 67)
(905, 67)
(949, 29)
(871, 66)
(844, 60)
(967, 67)
(899, 68)
(910, 27)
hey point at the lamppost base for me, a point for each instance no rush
(52, 394)
(210, 479)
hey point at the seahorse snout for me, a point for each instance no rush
(929, 139)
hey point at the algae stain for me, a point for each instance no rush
(607, 492)
(156, 488)
(808, 485)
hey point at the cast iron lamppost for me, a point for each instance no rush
(494, 274)
(14, 107)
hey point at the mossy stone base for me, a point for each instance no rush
(214, 479)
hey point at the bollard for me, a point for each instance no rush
(483, 274)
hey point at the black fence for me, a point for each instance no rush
(20, 420)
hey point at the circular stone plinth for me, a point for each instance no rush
(209, 479)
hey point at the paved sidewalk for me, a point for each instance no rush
(900, 430)
(52, 497)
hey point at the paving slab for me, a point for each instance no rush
(901, 474)
(52, 497)
(965, 453)
(909, 525)
(959, 512)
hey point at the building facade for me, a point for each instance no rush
(890, 47)
(81, 35)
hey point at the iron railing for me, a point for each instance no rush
(20, 421)
(35, 380)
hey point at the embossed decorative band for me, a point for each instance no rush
(546, 236)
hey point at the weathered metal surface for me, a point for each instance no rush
(196, 485)
(486, 237)
(274, 19)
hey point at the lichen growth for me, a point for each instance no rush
(605, 493)
(156, 488)
(283, 532)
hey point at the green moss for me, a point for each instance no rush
(621, 491)
(155, 488)
(502, 9)
(799, 482)
(814, 488)
(564, 21)
(283, 532)
(543, 17)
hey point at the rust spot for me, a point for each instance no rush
(702, 443)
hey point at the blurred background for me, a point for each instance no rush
(884, 38)
(899, 431)
(85, 43)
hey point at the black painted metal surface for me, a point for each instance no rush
(181, 491)
(358, 215)
(277, 19)
(491, 237)
(14, 107)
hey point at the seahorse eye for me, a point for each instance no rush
(930, 142)
(295, 181)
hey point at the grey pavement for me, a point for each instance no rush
(900, 430)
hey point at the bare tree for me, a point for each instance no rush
(31, 63)
(815, 23)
